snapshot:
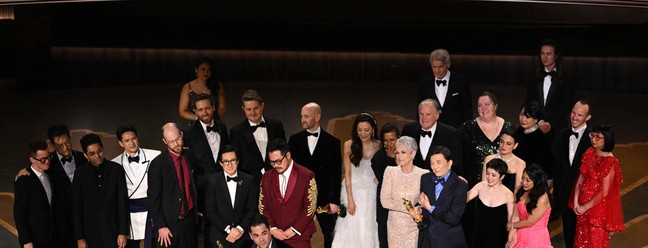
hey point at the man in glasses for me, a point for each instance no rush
(230, 202)
(136, 162)
(33, 200)
(205, 137)
(251, 136)
(64, 162)
(100, 201)
(567, 149)
(288, 197)
(172, 192)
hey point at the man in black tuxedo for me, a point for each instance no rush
(205, 137)
(429, 132)
(230, 202)
(320, 152)
(251, 137)
(567, 149)
(33, 196)
(100, 199)
(63, 164)
(172, 192)
(551, 88)
(451, 91)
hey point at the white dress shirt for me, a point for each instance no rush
(213, 138)
(441, 91)
(573, 142)
(261, 138)
(425, 142)
(44, 179)
(312, 140)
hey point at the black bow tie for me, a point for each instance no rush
(213, 128)
(426, 133)
(440, 82)
(235, 179)
(66, 160)
(439, 180)
(254, 128)
(575, 134)
(313, 134)
(133, 159)
(548, 73)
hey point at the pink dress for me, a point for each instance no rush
(535, 236)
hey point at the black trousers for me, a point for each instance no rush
(184, 232)
(569, 225)
(327, 224)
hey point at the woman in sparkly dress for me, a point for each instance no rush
(402, 182)
(528, 227)
(480, 138)
(508, 143)
(384, 158)
(596, 199)
(203, 84)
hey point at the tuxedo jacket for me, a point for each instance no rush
(219, 210)
(63, 197)
(560, 100)
(251, 161)
(196, 140)
(457, 107)
(297, 208)
(444, 223)
(33, 214)
(565, 175)
(444, 135)
(100, 214)
(326, 163)
(164, 192)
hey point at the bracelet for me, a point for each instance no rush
(512, 226)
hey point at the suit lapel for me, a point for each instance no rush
(552, 89)
(291, 182)
(275, 185)
(238, 194)
(225, 190)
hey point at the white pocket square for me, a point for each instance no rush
(454, 94)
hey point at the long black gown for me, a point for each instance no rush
(490, 225)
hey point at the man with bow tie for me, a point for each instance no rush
(429, 132)
(63, 163)
(551, 88)
(230, 202)
(205, 137)
(450, 90)
(567, 149)
(320, 152)
(250, 137)
(136, 162)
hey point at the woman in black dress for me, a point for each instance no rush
(533, 144)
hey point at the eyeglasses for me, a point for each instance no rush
(277, 162)
(596, 136)
(176, 140)
(43, 159)
(229, 162)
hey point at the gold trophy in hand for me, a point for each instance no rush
(420, 223)
(341, 211)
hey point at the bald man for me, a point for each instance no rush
(172, 192)
(320, 152)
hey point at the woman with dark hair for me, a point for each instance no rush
(358, 193)
(596, 199)
(384, 158)
(495, 204)
(202, 84)
(515, 165)
(528, 227)
(533, 145)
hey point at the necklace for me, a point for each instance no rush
(499, 155)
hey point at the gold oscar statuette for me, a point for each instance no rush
(341, 211)
(419, 219)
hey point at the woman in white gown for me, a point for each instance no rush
(359, 228)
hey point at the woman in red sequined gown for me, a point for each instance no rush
(595, 198)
